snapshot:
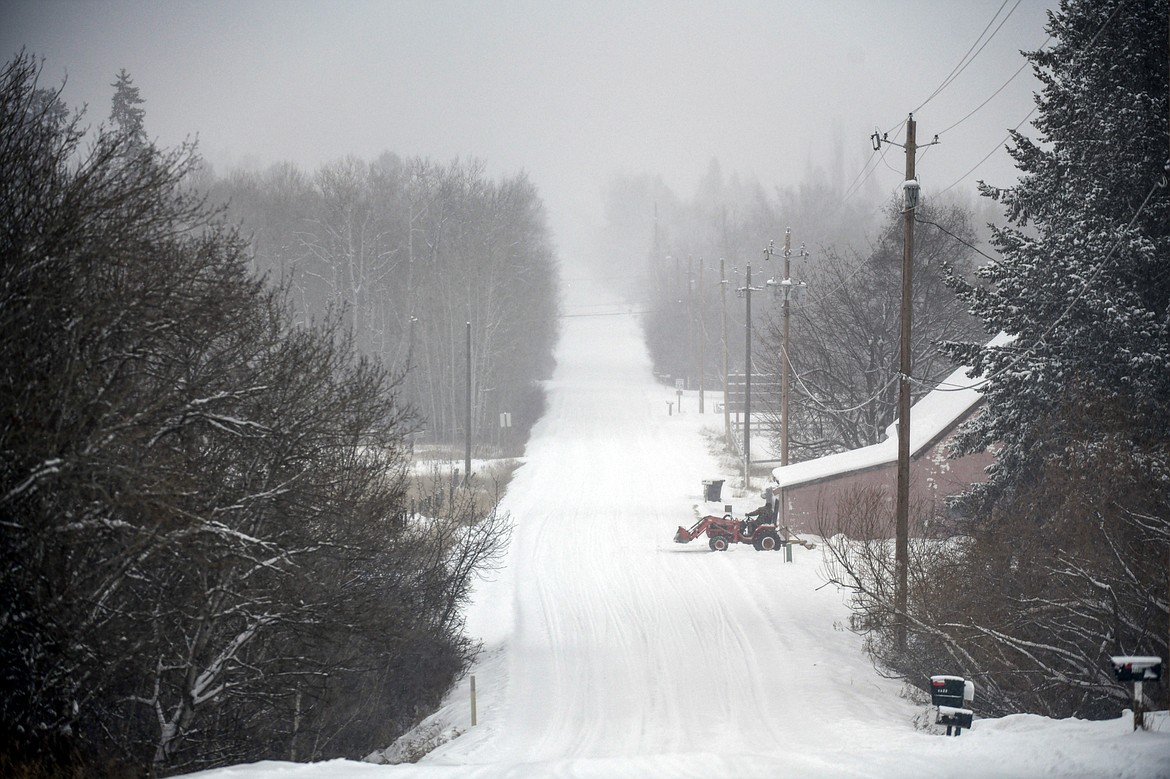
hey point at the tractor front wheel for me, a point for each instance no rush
(718, 544)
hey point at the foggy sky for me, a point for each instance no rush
(571, 91)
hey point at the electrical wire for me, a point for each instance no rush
(972, 247)
(855, 185)
(809, 394)
(966, 61)
(1002, 87)
(996, 148)
(1087, 47)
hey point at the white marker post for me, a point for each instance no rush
(473, 723)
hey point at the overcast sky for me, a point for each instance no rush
(571, 91)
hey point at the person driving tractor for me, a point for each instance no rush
(764, 515)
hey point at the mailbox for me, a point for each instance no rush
(955, 718)
(949, 693)
(1135, 668)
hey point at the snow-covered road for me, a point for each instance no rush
(628, 645)
(611, 651)
(625, 644)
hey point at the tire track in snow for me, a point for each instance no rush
(610, 607)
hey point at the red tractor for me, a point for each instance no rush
(723, 531)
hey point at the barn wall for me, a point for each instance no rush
(812, 507)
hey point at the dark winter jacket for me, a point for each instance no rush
(764, 515)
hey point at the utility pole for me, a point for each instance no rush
(690, 319)
(785, 365)
(723, 333)
(467, 458)
(702, 336)
(902, 507)
(792, 292)
(746, 292)
(902, 514)
(747, 385)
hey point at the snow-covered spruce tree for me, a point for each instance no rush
(1078, 406)
(1082, 279)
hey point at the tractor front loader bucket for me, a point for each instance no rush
(683, 535)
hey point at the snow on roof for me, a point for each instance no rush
(930, 417)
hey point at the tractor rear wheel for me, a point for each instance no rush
(768, 542)
(718, 544)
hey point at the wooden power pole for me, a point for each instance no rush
(785, 363)
(747, 385)
(723, 329)
(467, 458)
(702, 337)
(902, 509)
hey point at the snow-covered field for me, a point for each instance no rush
(611, 651)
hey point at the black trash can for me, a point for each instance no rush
(714, 490)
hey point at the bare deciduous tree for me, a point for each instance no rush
(205, 549)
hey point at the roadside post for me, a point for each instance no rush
(473, 717)
(1137, 669)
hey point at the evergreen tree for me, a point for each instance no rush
(126, 112)
(1082, 280)
(1067, 560)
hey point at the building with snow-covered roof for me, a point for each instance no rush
(814, 491)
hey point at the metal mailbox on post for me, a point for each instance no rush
(1137, 669)
(949, 694)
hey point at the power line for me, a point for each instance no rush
(1100, 266)
(1002, 87)
(1087, 47)
(968, 58)
(972, 247)
(809, 394)
(858, 180)
(996, 148)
